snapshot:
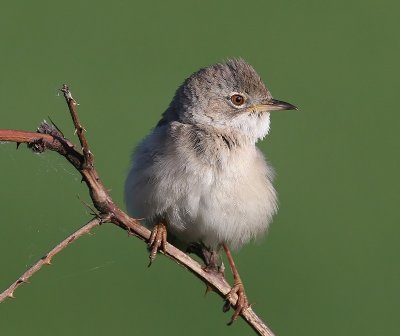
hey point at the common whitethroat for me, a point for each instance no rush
(198, 175)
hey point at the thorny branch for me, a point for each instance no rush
(49, 137)
(46, 260)
(79, 129)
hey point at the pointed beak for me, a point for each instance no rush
(275, 105)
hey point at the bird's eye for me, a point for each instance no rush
(237, 99)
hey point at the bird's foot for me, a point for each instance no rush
(238, 289)
(212, 262)
(211, 259)
(214, 266)
(157, 241)
(241, 302)
(216, 270)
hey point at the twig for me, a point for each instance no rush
(79, 129)
(52, 139)
(46, 260)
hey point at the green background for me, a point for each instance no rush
(330, 264)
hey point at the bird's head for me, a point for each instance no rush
(227, 97)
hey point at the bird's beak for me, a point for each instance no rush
(274, 105)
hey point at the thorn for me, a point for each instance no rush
(11, 295)
(57, 128)
(222, 269)
(208, 289)
(94, 212)
(46, 260)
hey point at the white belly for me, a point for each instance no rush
(232, 205)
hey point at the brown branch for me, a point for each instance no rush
(46, 260)
(49, 137)
(79, 129)
(24, 137)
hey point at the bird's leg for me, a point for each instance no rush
(237, 289)
(157, 240)
(210, 257)
(213, 264)
(212, 261)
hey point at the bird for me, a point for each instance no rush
(198, 176)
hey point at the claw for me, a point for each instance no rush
(226, 306)
(157, 241)
(241, 302)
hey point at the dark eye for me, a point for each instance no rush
(237, 99)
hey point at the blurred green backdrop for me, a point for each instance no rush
(329, 265)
